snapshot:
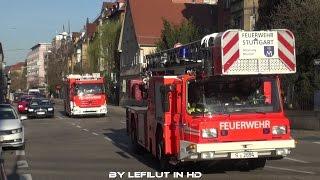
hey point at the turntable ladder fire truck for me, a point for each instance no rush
(216, 99)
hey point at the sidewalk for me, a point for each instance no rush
(117, 109)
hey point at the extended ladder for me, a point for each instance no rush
(193, 56)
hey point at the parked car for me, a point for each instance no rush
(11, 128)
(40, 107)
(23, 104)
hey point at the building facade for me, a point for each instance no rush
(17, 76)
(244, 14)
(142, 29)
(2, 76)
(196, 1)
(35, 65)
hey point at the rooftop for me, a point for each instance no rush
(148, 20)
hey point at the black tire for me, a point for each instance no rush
(23, 147)
(66, 113)
(164, 164)
(258, 163)
(136, 148)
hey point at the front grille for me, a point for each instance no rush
(40, 110)
(2, 133)
(7, 141)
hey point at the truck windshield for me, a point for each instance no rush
(233, 95)
(85, 89)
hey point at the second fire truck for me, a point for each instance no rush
(216, 99)
(85, 95)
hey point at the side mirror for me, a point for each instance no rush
(23, 118)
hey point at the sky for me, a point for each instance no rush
(24, 23)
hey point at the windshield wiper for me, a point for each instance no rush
(260, 112)
(250, 111)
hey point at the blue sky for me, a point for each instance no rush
(23, 23)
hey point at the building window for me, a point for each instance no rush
(226, 4)
(124, 86)
(237, 22)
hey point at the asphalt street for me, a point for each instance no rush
(92, 148)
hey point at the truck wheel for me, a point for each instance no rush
(163, 159)
(23, 147)
(136, 148)
(257, 163)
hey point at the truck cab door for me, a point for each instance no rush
(167, 112)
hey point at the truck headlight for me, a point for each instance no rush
(16, 131)
(30, 110)
(278, 130)
(50, 109)
(209, 133)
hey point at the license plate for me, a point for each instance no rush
(40, 113)
(244, 155)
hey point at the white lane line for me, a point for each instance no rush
(296, 160)
(20, 153)
(78, 126)
(25, 177)
(291, 170)
(123, 122)
(85, 130)
(95, 134)
(22, 164)
(317, 142)
(108, 139)
(74, 124)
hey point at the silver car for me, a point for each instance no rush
(11, 128)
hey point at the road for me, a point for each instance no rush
(91, 148)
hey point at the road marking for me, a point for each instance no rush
(59, 117)
(25, 177)
(22, 164)
(78, 126)
(291, 170)
(85, 130)
(317, 142)
(296, 160)
(74, 124)
(108, 139)
(123, 122)
(20, 153)
(95, 134)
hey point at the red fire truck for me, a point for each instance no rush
(85, 95)
(216, 99)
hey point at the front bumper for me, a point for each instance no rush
(44, 114)
(78, 111)
(264, 149)
(12, 140)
